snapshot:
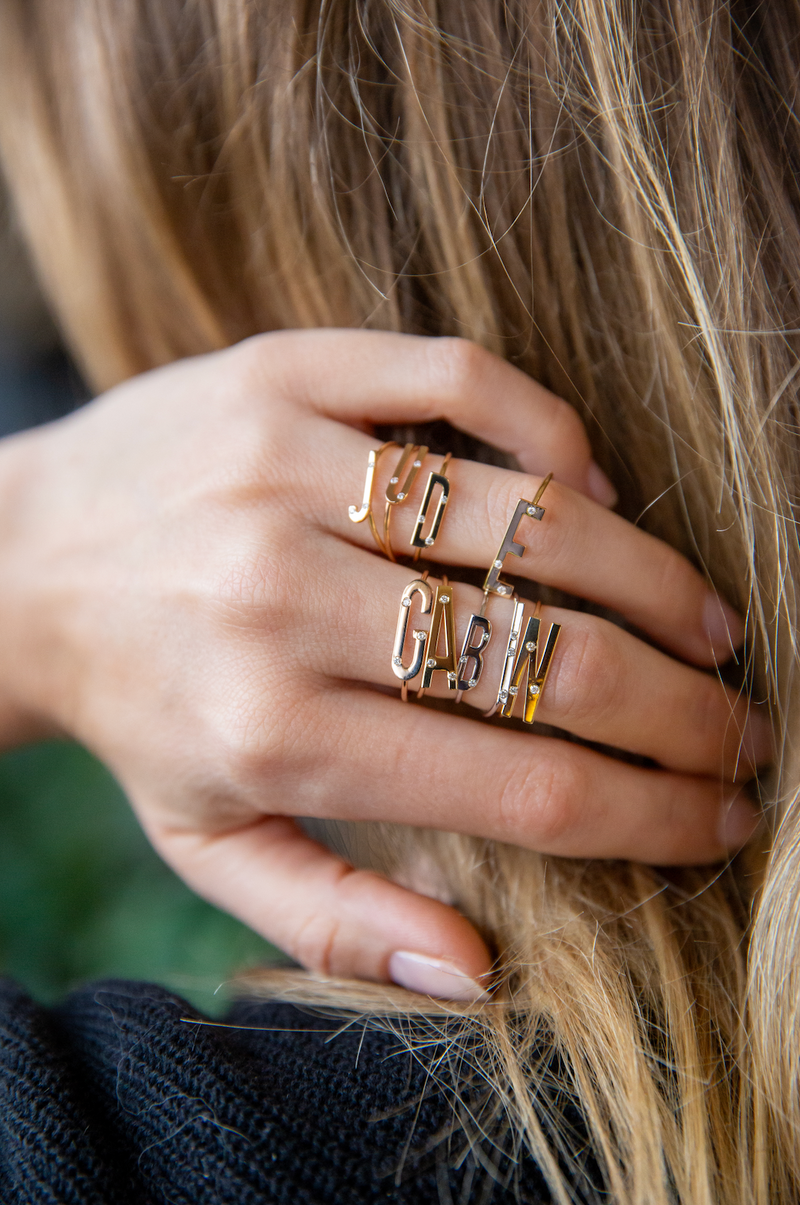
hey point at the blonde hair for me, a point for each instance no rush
(605, 193)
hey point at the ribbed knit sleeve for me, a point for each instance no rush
(124, 1094)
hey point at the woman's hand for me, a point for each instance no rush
(184, 593)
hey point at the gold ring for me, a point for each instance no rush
(400, 670)
(493, 583)
(418, 541)
(397, 491)
(359, 513)
(525, 662)
(443, 626)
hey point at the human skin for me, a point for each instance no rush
(183, 592)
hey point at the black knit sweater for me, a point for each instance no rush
(123, 1094)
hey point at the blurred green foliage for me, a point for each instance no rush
(82, 894)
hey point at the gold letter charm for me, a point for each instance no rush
(397, 492)
(442, 618)
(493, 583)
(531, 666)
(406, 672)
(471, 651)
(419, 541)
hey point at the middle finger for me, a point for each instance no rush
(604, 685)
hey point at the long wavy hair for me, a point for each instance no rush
(605, 192)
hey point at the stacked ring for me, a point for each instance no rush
(397, 491)
(527, 662)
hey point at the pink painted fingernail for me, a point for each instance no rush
(600, 487)
(723, 625)
(738, 821)
(434, 977)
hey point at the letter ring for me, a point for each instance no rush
(418, 541)
(397, 491)
(400, 670)
(359, 513)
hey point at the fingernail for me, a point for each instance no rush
(434, 977)
(722, 625)
(600, 487)
(738, 821)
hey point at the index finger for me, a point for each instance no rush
(376, 377)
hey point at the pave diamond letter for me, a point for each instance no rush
(479, 633)
(531, 666)
(442, 624)
(406, 672)
(417, 539)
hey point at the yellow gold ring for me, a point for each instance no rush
(398, 489)
(359, 513)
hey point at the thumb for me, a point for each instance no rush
(324, 913)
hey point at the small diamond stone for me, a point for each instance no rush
(400, 497)
(503, 589)
(451, 677)
(394, 480)
(498, 564)
(397, 660)
(512, 645)
(445, 598)
(533, 689)
(533, 511)
(420, 635)
(473, 682)
(503, 696)
(513, 690)
(428, 541)
(417, 464)
(431, 664)
(530, 646)
(406, 602)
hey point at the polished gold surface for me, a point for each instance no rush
(442, 626)
(359, 513)
(402, 671)
(398, 490)
(531, 667)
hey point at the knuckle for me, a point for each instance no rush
(457, 364)
(674, 578)
(261, 743)
(567, 430)
(313, 942)
(708, 713)
(541, 805)
(586, 682)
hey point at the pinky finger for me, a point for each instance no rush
(324, 913)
